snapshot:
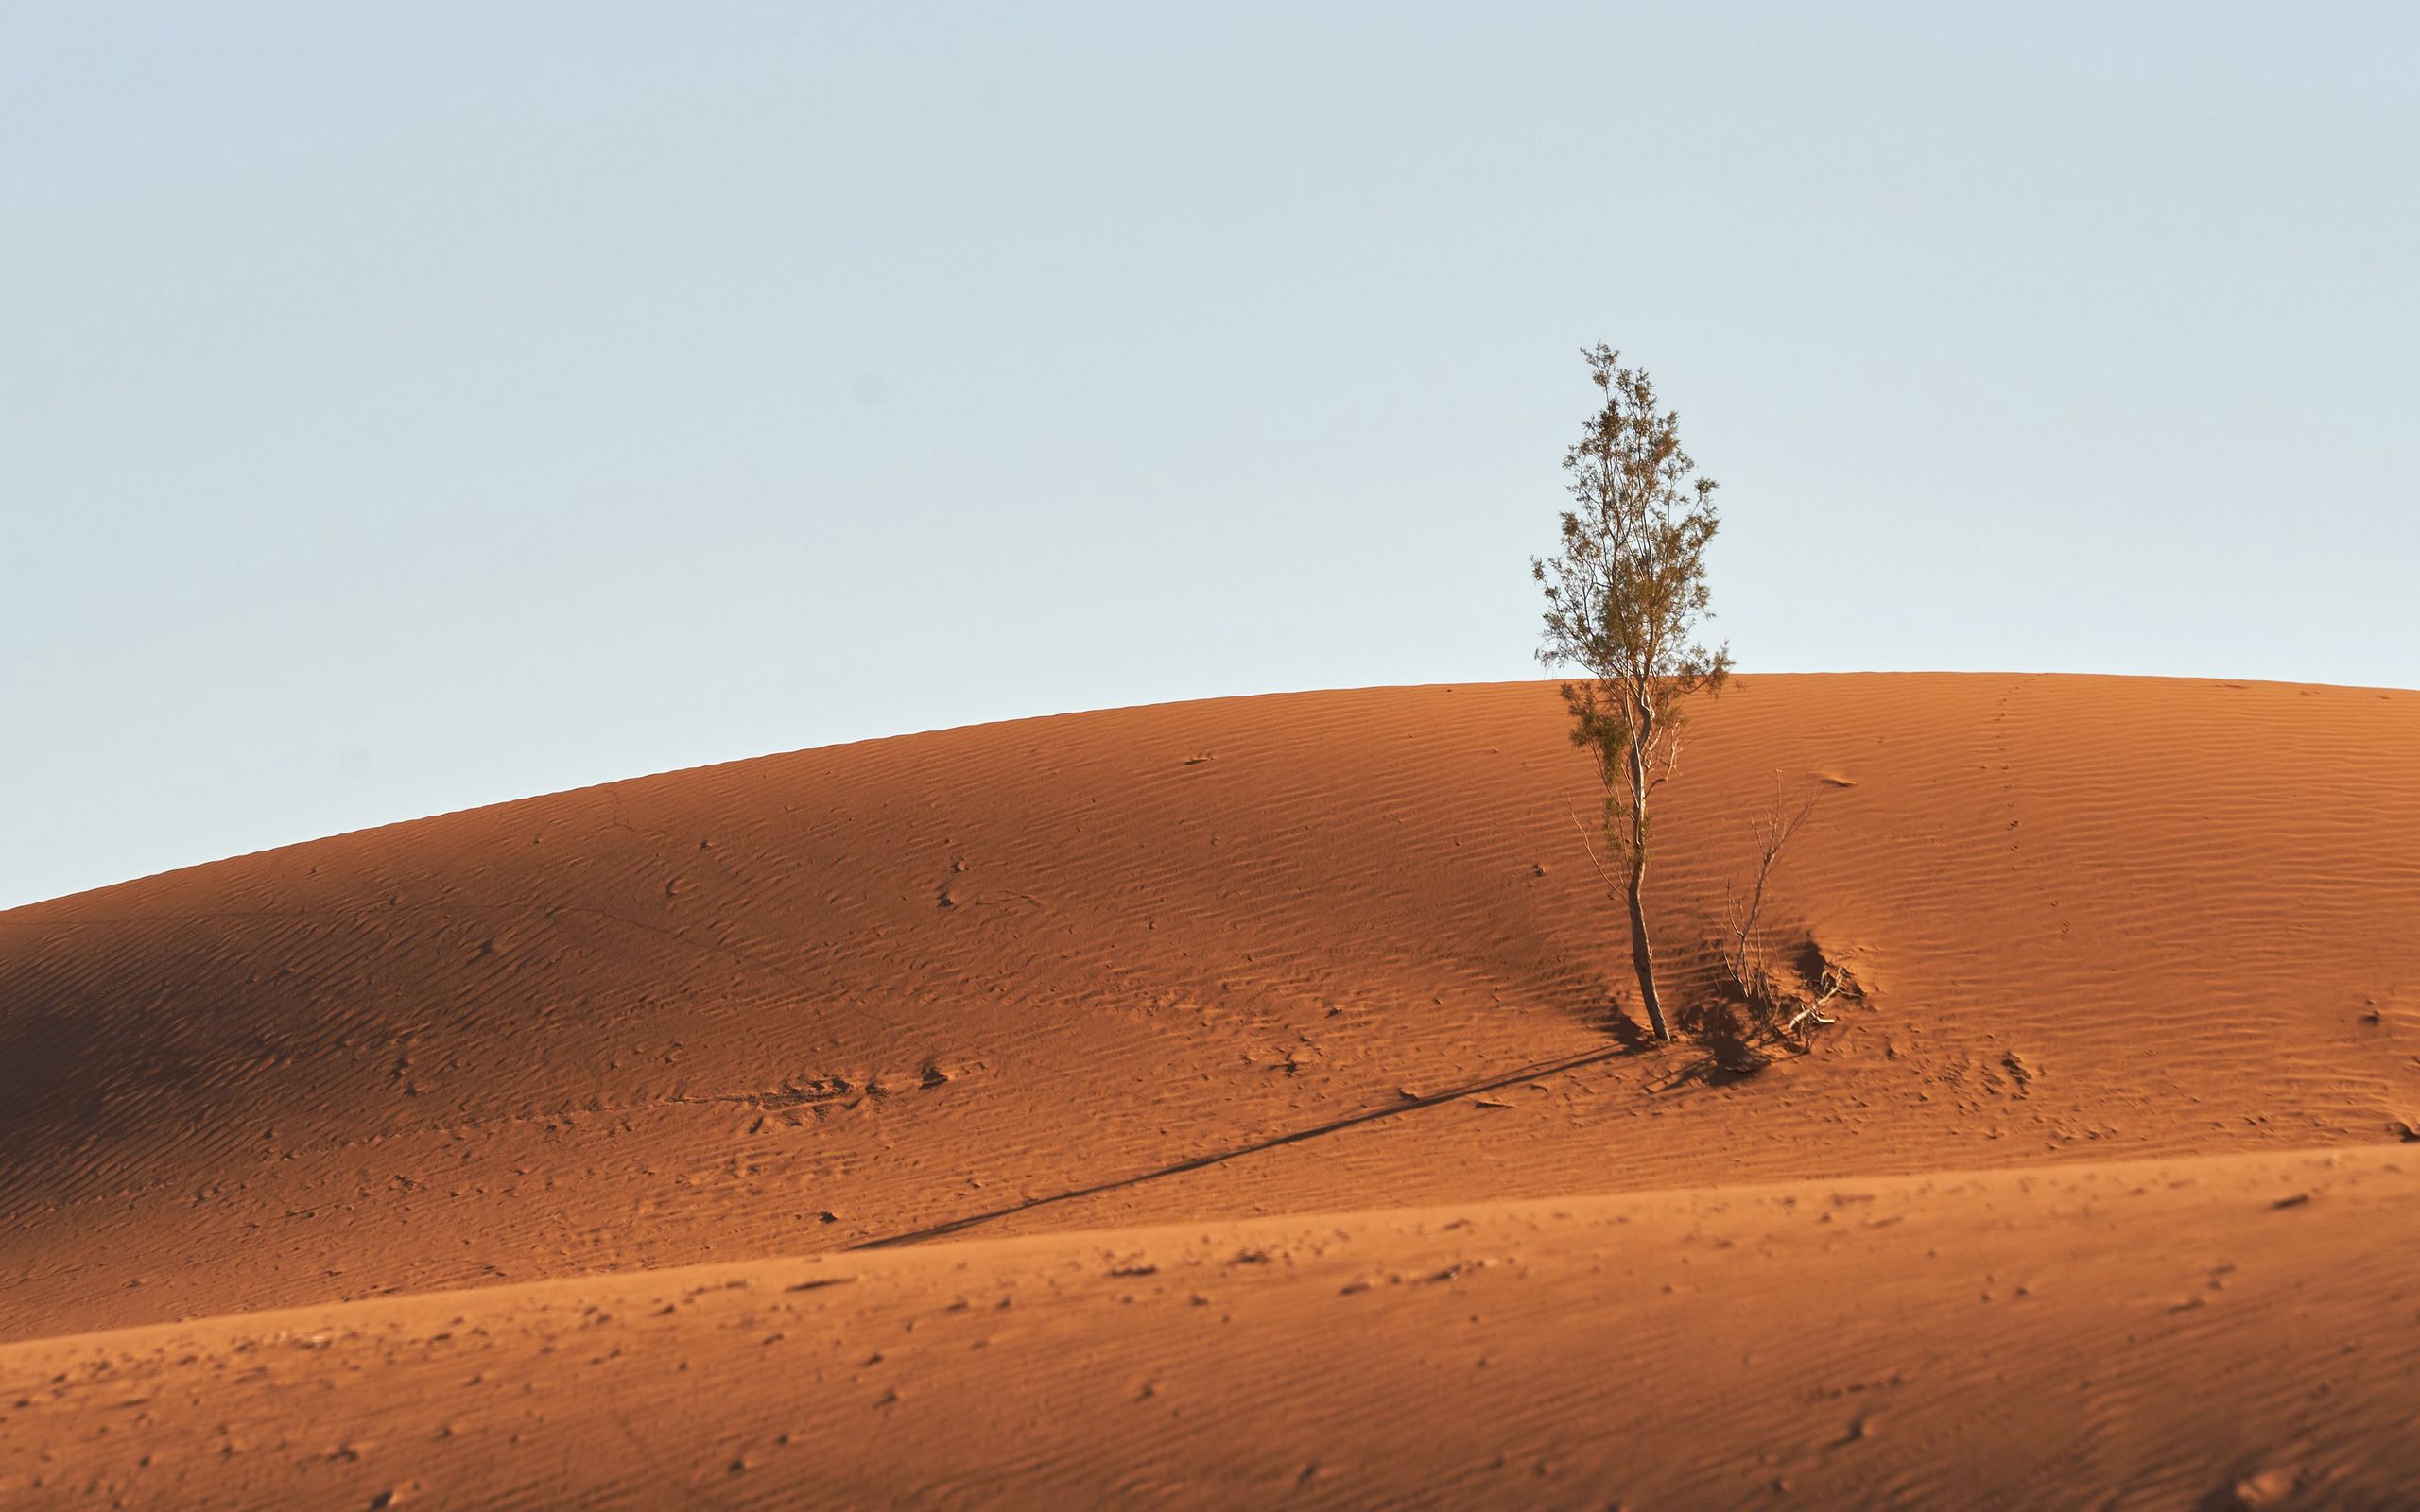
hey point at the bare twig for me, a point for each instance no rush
(1742, 916)
(1613, 889)
(1789, 1012)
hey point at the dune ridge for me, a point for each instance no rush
(1070, 981)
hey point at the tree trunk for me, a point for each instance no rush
(1642, 956)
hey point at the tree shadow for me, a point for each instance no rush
(1407, 1103)
(1724, 1056)
(1707, 1071)
(1626, 1031)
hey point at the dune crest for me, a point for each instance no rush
(967, 1012)
(808, 1001)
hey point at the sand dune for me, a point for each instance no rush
(2212, 1331)
(1032, 993)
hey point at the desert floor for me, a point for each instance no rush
(1231, 1104)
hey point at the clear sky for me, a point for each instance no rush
(407, 407)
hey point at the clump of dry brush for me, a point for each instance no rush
(1769, 994)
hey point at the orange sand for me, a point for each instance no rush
(2145, 958)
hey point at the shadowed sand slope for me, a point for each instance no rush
(793, 1005)
(2208, 1333)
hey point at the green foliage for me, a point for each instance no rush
(1626, 593)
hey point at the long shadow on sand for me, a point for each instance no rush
(1632, 1044)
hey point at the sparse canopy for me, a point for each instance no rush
(1625, 595)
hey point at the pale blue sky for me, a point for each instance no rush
(410, 406)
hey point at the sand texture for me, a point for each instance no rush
(1226, 1103)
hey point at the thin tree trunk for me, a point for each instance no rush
(1642, 956)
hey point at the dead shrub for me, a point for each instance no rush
(1769, 995)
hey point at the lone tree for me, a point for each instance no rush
(1625, 594)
